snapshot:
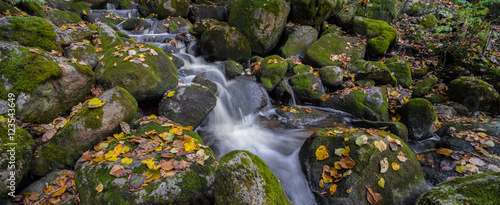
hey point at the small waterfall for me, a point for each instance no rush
(294, 102)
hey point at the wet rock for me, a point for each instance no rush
(373, 70)
(243, 177)
(445, 110)
(135, 23)
(199, 79)
(362, 168)
(167, 8)
(307, 87)
(282, 93)
(60, 18)
(419, 116)
(298, 41)
(272, 70)
(197, 29)
(380, 34)
(233, 68)
(88, 127)
(320, 52)
(175, 25)
(332, 77)
(83, 52)
(210, 12)
(369, 104)
(145, 80)
(188, 106)
(397, 128)
(42, 88)
(247, 95)
(261, 21)
(301, 115)
(224, 43)
(314, 12)
(422, 88)
(461, 109)
(475, 94)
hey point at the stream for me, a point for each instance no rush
(232, 124)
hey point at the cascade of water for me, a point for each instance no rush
(294, 102)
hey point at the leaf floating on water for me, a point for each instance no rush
(333, 189)
(381, 182)
(401, 156)
(321, 153)
(96, 103)
(99, 188)
(395, 166)
(373, 197)
(384, 165)
(170, 94)
(362, 140)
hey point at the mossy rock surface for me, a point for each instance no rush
(175, 25)
(60, 18)
(28, 31)
(474, 189)
(34, 7)
(298, 41)
(84, 130)
(233, 68)
(261, 21)
(243, 178)
(385, 10)
(307, 87)
(282, 93)
(428, 22)
(224, 43)
(146, 80)
(475, 94)
(436, 98)
(197, 29)
(8, 8)
(402, 186)
(369, 104)
(84, 33)
(135, 23)
(422, 88)
(418, 73)
(301, 115)
(302, 69)
(373, 70)
(319, 53)
(272, 70)
(108, 37)
(84, 52)
(167, 8)
(42, 88)
(380, 34)
(396, 128)
(201, 80)
(188, 105)
(419, 116)
(186, 186)
(314, 12)
(332, 77)
(402, 72)
(18, 161)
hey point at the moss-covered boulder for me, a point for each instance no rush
(419, 117)
(282, 93)
(40, 191)
(224, 43)
(314, 12)
(473, 189)
(301, 115)
(188, 105)
(60, 18)
(201, 80)
(475, 94)
(320, 52)
(7, 8)
(34, 7)
(243, 178)
(143, 70)
(379, 33)
(373, 70)
(233, 68)
(332, 77)
(298, 41)
(397, 128)
(272, 70)
(167, 164)
(197, 29)
(402, 72)
(307, 87)
(418, 73)
(345, 162)
(108, 37)
(80, 34)
(421, 89)
(302, 69)
(84, 130)
(385, 10)
(369, 104)
(135, 23)
(428, 22)
(84, 52)
(261, 21)
(16, 149)
(42, 88)
(345, 15)
(174, 25)
(436, 98)
(28, 31)
(167, 8)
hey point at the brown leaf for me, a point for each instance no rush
(401, 156)
(444, 151)
(347, 163)
(49, 134)
(372, 197)
(447, 164)
(476, 161)
(167, 165)
(180, 165)
(125, 127)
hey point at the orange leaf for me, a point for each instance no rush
(444, 151)
(347, 163)
(372, 197)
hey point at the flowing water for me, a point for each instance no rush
(234, 123)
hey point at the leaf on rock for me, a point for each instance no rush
(96, 103)
(99, 188)
(333, 189)
(347, 163)
(125, 127)
(152, 175)
(119, 171)
(49, 134)
(395, 166)
(447, 165)
(321, 153)
(127, 160)
(167, 165)
(444, 151)
(362, 140)
(384, 165)
(346, 151)
(321, 184)
(476, 161)
(380, 145)
(338, 151)
(372, 197)
(135, 181)
(381, 182)
(401, 156)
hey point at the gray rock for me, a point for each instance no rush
(298, 41)
(372, 70)
(419, 116)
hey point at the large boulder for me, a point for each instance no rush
(43, 86)
(42, 190)
(168, 164)
(84, 52)
(246, 96)
(299, 40)
(175, 25)
(402, 72)
(385, 10)
(422, 88)
(243, 178)
(311, 12)
(475, 94)
(187, 105)
(332, 77)
(419, 116)
(108, 37)
(60, 18)
(29, 31)
(135, 23)
(144, 70)
(197, 29)
(373, 70)
(34, 8)
(167, 8)
(222, 43)
(85, 129)
(300, 115)
(261, 21)
(347, 163)
(369, 104)
(397, 128)
(307, 87)
(473, 189)
(331, 45)
(272, 70)
(379, 33)
(16, 149)
(233, 68)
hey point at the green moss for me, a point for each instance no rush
(8, 9)
(428, 22)
(270, 73)
(26, 71)
(24, 147)
(93, 117)
(402, 72)
(172, 26)
(59, 17)
(125, 4)
(424, 87)
(30, 31)
(319, 53)
(381, 35)
(301, 69)
(33, 7)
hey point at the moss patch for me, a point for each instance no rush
(30, 31)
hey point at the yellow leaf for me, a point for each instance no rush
(152, 175)
(95, 103)
(127, 160)
(337, 165)
(175, 131)
(152, 117)
(191, 146)
(339, 151)
(346, 139)
(361, 140)
(384, 165)
(348, 191)
(321, 153)
(381, 182)
(99, 188)
(445, 151)
(380, 145)
(122, 149)
(395, 166)
(321, 184)
(119, 136)
(170, 94)
(333, 189)
(151, 163)
(346, 151)
(84, 12)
